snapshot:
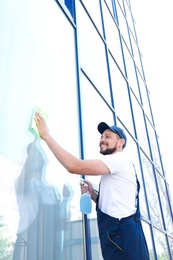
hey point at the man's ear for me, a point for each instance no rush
(122, 141)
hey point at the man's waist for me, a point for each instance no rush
(106, 221)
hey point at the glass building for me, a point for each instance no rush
(79, 61)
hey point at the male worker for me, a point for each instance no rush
(120, 230)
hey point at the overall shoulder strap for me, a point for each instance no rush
(137, 196)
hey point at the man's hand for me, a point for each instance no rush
(41, 126)
(87, 186)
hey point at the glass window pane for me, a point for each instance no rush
(120, 94)
(129, 17)
(93, 117)
(165, 205)
(151, 190)
(154, 146)
(147, 233)
(109, 4)
(130, 68)
(145, 101)
(112, 37)
(171, 245)
(35, 73)
(140, 126)
(161, 245)
(121, 4)
(93, 8)
(92, 53)
(123, 25)
(96, 252)
(136, 54)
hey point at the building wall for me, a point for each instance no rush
(80, 62)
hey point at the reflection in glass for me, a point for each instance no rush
(120, 94)
(70, 6)
(112, 37)
(147, 233)
(93, 117)
(154, 146)
(93, 8)
(109, 3)
(144, 90)
(130, 68)
(161, 245)
(165, 205)
(96, 252)
(92, 53)
(171, 245)
(6, 242)
(123, 25)
(140, 125)
(129, 17)
(136, 53)
(44, 212)
(151, 190)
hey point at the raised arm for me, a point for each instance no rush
(69, 161)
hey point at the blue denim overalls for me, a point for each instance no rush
(122, 239)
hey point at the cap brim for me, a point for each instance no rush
(102, 127)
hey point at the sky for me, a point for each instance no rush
(154, 31)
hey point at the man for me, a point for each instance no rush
(118, 216)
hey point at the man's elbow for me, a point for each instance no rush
(74, 168)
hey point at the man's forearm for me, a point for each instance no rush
(94, 196)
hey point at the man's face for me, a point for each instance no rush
(109, 142)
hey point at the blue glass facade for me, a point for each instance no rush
(80, 62)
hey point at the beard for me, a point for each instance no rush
(109, 150)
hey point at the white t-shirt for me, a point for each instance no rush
(118, 190)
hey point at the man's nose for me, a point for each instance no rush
(102, 141)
